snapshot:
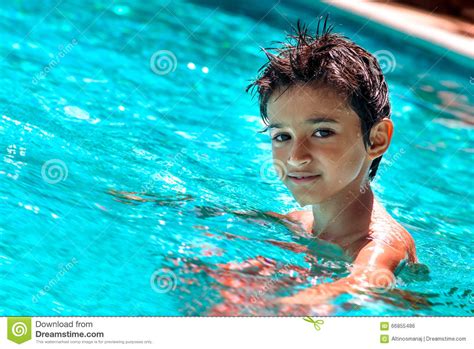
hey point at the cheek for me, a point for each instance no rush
(346, 161)
(279, 161)
(279, 153)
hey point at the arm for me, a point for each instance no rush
(373, 267)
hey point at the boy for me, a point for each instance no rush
(325, 102)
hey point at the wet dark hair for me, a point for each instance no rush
(332, 60)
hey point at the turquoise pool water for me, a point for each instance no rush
(88, 117)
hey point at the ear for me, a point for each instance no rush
(380, 138)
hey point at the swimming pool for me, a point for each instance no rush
(101, 100)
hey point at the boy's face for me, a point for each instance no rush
(314, 133)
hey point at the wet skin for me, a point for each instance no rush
(315, 134)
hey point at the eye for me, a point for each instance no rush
(281, 137)
(323, 133)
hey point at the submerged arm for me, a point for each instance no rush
(373, 268)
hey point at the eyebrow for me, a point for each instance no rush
(311, 121)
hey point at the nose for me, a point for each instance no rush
(299, 156)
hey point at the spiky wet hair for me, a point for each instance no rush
(326, 59)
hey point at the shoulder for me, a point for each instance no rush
(407, 243)
(388, 232)
(300, 222)
(303, 218)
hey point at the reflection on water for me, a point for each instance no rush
(254, 285)
(452, 105)
(163, 172)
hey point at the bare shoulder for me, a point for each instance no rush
(299, 222)
(408, 242)
(388, 231)
(304, 218)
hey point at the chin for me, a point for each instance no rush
(308, 200)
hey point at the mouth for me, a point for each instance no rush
(303, 179)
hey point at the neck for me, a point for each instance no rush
(345, 217)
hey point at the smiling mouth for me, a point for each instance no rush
(303, 179)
